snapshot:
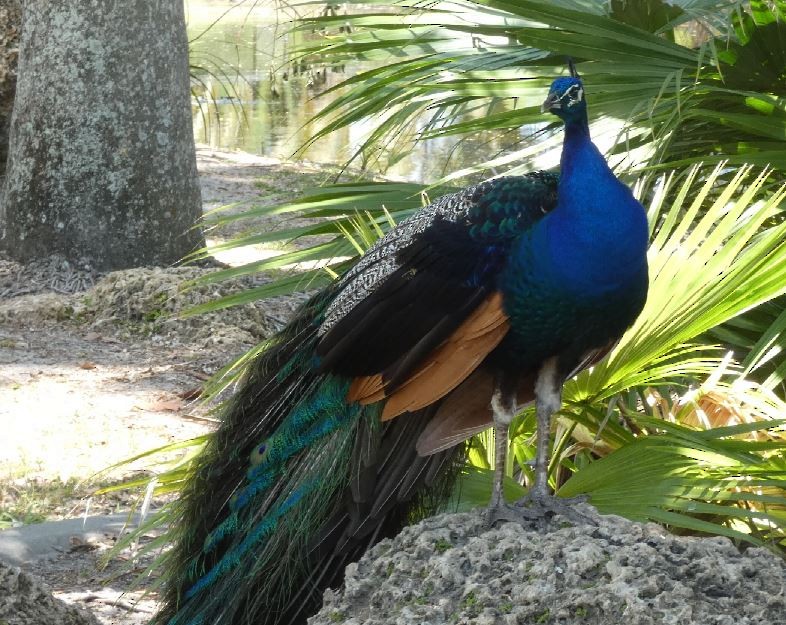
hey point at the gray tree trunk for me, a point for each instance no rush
(101, 163)
(10, 21)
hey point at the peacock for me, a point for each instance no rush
(352, 424)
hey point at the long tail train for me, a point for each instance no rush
(294, 485)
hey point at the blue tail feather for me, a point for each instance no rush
(260, 531)
(309, 422)
(323, 414)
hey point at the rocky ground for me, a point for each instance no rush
(452, 569)
(96, 368)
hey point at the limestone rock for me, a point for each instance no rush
(451, 569)
(25, 601)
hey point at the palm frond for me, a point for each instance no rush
(671, 99)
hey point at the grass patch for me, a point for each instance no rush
(471, 605)
(442, 545)
(26, 501)
(33, 501)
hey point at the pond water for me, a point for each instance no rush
(248, 98)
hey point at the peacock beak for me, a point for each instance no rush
(551, 102)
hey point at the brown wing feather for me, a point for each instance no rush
(453, 361)
(464, 412)
(467, 410)
(367, 389)
(445, 368)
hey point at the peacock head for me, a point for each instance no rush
(566, 99)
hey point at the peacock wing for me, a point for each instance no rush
(443, 368)
(420, 311)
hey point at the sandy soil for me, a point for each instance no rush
(95, 369)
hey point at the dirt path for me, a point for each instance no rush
(98, 375)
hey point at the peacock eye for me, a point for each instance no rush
(258, 455)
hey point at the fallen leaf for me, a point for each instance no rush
(166, 405)
(200, 375)
(191, 393)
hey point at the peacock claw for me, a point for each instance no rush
(502, 512)
(540, 509)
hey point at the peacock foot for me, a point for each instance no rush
(503, 512)
(540, 510)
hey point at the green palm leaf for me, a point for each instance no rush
(700, 277)
(484, 64)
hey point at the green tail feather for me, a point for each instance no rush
(294, 485)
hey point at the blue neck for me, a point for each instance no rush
(581, 162)
(596, 238)
(577, 135)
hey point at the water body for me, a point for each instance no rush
(248, 97)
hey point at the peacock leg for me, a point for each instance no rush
(503, 407)
(548, 398)
(539, 503)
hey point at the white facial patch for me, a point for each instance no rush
(574, 94)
